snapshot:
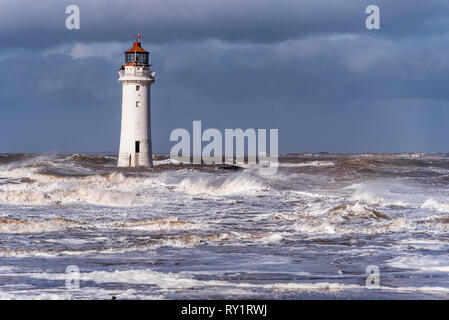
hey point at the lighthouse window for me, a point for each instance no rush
(137, 88)
(137, 146)
(129, 57)
(139, 58)
(142, 58)
(137, 103)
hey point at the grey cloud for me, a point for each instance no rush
(39, 24)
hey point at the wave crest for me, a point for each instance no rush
(32, 226)
(236, 184)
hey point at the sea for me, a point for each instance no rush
(74, 226)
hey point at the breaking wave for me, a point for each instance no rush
(31, 226)
(424, 263)
(30, 185)
(385, 193)
(107, 190)
(324, 227)
(235, 184)
(435, 205)
(156, 224)
(306, 164)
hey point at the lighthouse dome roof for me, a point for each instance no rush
(136, 48)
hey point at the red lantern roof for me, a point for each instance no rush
(136, 48)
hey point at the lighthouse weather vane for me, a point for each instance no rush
(136, 78)
(138, 38)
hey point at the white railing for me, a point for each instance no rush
(135, 73)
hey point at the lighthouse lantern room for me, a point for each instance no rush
(136, 78)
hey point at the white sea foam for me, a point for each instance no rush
(108, 190)
(27, 295)
(166, 161)
(190, 240)
(339, 219)
(435, 205)
(353, 212)
(24, 226)
(272, 238)
(431, 263)
(17, 172)
(395, 225)
(182, 280)
(25, 253)
(435, 223)
(323, 227)
(170, 282)
(115, 189)
(59, 224)
(146, 276)
(306, 194)
(235, 184)
(70, 241)
(36, 161)
(157, 224)
(306, 164)
(61, 293)
(385, 193)
(230, 238)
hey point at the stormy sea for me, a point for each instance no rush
(178, 231)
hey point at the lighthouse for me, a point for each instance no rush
(136, 78)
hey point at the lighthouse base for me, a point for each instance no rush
(136, 159)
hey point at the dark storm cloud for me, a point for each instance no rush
(41, 23)
(309, 68)
(336, 93)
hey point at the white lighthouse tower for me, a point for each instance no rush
(136, 77)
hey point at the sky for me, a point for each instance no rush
(308, 68)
